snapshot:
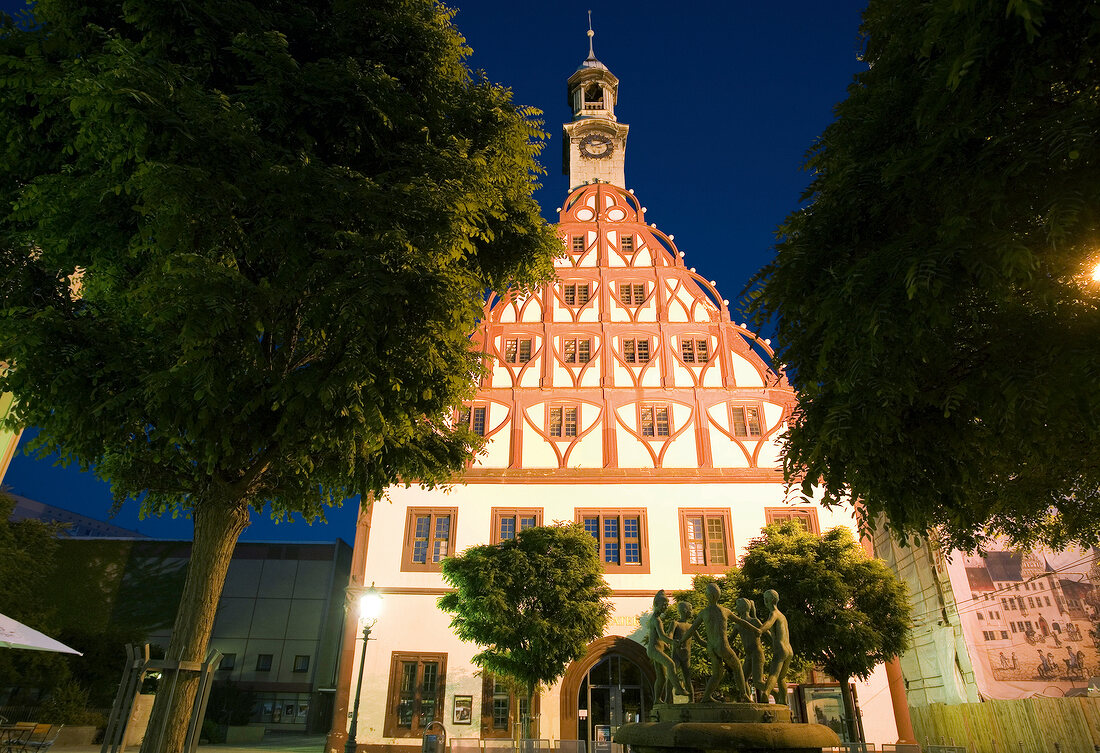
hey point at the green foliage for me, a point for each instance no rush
(533, 603)
(27, 550)
(932, 298)
(847, 612)
(282, 218)
(68, 704)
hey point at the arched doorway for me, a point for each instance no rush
(610, 686)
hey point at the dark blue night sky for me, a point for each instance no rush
(723, 100)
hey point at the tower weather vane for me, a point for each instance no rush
(591, 34)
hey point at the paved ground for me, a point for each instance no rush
(273, 743)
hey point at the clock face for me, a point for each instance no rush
(596, 146)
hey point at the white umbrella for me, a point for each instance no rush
(14, 634)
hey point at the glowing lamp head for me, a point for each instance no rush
(370, 604)
(1096, 272)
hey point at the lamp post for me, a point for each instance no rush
(370, 606)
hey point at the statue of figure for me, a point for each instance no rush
(657, 649)
(776, 622)
(754, 650)
(681, 649)
(717, 618)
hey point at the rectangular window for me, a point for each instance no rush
(301, 663)
(1004, 635)
(804, 516)
(636, 350)
(473, 418)
(428, 535)
(263, 663)
(229, 661)
(576, 351)
(517, 350)
(415, 698)
(507, 522)
(501, 708)
(705, 542)
(694, 350)
(746, 421)
(626, 244)
(563, 421)
(578, 243)
(632, 294)
(980, 617)
(620, 538)
(654, 421)
(575, 294)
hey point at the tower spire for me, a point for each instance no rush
(591, 52)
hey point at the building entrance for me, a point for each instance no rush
(614, 692)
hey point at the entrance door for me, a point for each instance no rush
(613, 693)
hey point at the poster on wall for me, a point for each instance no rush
(1030, 619)
(463, 709)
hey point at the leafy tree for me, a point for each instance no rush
(27, 550)
(847, 612)
(933, 298)
(533, 603)
(241, 247)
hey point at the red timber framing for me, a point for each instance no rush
(652, 332)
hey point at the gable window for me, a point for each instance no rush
(428, 535)
(694, 350)
(473, 418)
(620, 537)
(575, 293)
(626, 244)
(654, 421)
(415, 697)
(746, 421)
(578, 243)
(636, 350)
(517, 350)
(563, 421)
(804, 516)
(632, 293)
(705, 542)
(576, 350)
(507, 522)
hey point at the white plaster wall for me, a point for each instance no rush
(744, 373)
(411, 621)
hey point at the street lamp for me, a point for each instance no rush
(370, 606)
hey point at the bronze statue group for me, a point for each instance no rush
(671, 653)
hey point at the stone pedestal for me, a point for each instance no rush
(724, 728)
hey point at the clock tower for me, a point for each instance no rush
(594, 143)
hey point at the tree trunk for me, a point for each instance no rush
(218, 525)
(849, 710)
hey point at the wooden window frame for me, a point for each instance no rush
(393, 692)
(488, 731)
(573, 290)
(581, 346)
(470, 415)
(714, 513)
(626, 244)
(407, 564)
(780, 514)
(500, 513)
(759, 408)
(631, 289)
(634, 357)
(643, 535)
(563, 435)
(577, 244)
(655, 407)
(690, 349)
(515, 356)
